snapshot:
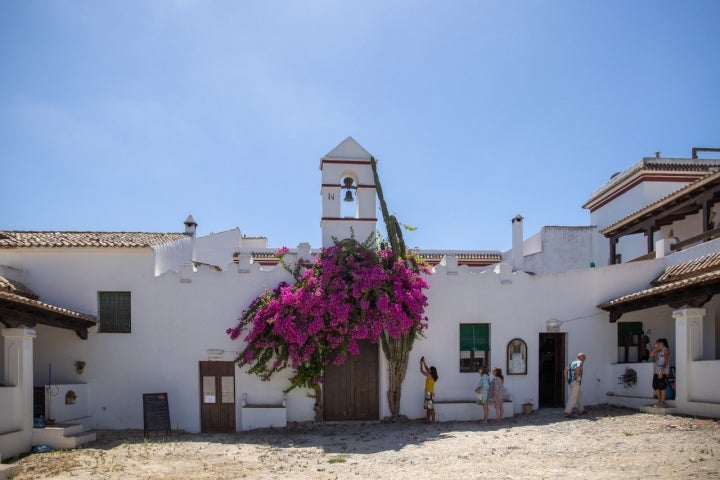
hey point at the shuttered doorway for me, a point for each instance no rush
(351, 391)
(217, 397)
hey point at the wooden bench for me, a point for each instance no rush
(467, 410)
(262, 415)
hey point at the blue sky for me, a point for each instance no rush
(130, 115)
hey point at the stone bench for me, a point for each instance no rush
(262, 415)
(468, 410)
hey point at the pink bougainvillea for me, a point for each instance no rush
(349, 294)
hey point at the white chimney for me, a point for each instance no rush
(190, 226)
(517, 243)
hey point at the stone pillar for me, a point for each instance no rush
(663, 247)
(688, 348)
(18, 373)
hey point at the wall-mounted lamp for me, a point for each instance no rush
(349, 187)
(79, 367)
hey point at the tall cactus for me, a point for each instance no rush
(396, 350)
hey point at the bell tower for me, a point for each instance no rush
(349, 201)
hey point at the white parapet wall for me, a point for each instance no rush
(66, 402)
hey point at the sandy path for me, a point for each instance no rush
(607, 443)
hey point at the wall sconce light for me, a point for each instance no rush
(79, 367)
(349, 187)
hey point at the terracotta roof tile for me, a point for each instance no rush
(11, 286)
(652, 164)
(46, 306)
(711, 178)
(689, 269)
(494, 256)
(45, 239)
(471, 258)
(676, 277)
(664, 288)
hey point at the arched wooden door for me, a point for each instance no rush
(351, 391)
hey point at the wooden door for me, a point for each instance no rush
(217, 397)
(551, 384)
(350, 391)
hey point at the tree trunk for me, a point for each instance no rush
(318, 407)
(397, 352)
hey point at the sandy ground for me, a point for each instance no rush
(607, 442)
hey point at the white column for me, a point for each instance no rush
(688, 348)
(18, 373)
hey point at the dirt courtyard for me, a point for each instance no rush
(607, 443)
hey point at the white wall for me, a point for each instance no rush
(562, 248)
(218, 248)
(521, 309)
(175, 323)
(631, 201)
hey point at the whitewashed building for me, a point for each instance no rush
(92, 321)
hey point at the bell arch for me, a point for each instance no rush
(349, 204)
(349, 200)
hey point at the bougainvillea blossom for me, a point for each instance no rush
(349, 294)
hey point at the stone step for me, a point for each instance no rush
(62, 436)
(7, 470)
(668, 410)
(75, 440)
(68, 428)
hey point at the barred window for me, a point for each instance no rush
(114, 312)
(474, 346)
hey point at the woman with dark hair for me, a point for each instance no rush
(482, 391)
(431, 377)
(496, 393)
(661, 357)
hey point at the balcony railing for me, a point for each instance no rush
(688, 242)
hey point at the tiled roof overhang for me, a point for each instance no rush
(691, 283)
(471, 259)
(17, 310)
(651, 169)
(48, 239)
(676, 206)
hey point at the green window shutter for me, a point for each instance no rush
(474, 336)
(114, 312)
(626, 329)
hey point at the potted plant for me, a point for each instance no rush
(79, 367)
(527, 406)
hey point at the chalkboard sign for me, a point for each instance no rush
(156, 414)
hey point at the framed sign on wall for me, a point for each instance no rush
(517, 357)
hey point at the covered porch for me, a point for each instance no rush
(689, 290)
(20, 313)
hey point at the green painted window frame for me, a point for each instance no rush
(474, 343)
(114, 312)
(633, 330)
